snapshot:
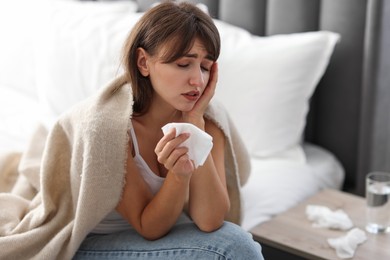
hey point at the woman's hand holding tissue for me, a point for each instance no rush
(173, 155)
(199, 143)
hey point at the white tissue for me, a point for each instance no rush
(325, 218)
(199, 143)
(346, 245)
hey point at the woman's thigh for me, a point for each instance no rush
(185, 241)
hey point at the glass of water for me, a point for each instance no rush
(378, 202)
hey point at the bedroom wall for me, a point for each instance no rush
(374, 146)
(336, 104)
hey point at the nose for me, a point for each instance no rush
(197, 77)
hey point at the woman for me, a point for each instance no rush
(170, 60)
(106, 183)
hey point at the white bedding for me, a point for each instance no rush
(275, 185)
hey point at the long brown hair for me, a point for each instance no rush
(175, 24)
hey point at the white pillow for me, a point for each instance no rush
(17, 22)
(266, 84)
(78, 50)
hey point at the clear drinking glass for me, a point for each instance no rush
(378, 202)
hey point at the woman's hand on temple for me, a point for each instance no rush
(195, 116)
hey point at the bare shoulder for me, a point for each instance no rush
(212, 129)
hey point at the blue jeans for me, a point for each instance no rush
(185, 241)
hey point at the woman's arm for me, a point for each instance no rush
(209, 200)
(153, 216)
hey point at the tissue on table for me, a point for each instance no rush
(346, 245)
(199, 143)
(324, 217)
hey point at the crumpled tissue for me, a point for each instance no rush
(199, 143)
(346, 245)
(325, 218)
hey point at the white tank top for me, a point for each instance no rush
(114, 222)
(155, 182)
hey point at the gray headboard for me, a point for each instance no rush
(349, 115)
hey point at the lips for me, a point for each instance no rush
(192, 95)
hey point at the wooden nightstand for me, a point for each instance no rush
(290, 235)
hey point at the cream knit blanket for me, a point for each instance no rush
(70, 178)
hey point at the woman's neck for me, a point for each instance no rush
(159, 115)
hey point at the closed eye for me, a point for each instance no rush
(205, 68)
(182, 65)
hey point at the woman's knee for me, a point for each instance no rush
(239, 243)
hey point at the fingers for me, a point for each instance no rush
(184, 166)
(207, 95)
(168, 136)
(211, 85)
(213, 77)
(178, 155)
(168, 149)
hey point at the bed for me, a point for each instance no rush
(304, 70)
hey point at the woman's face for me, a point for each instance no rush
(180, 83)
